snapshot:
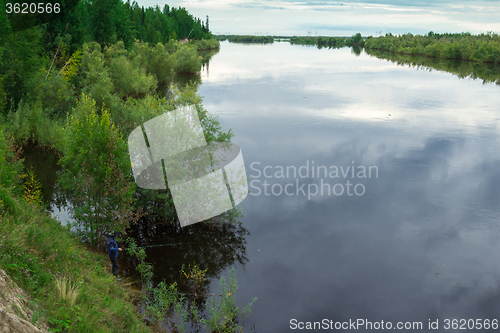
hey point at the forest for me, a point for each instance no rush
(484, 47)
(59, 41)
(329, 42)
(250, 39)
(73, 84)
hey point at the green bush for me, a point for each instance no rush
(172, 46)
(96, 167)
(130, 81)
(115, 51)
(30, 124)
(207, 44)
(10, 165)
(483, 47)
(161, 64)
(95, 79)
(187, 60)
(53, 92)
(225, 316)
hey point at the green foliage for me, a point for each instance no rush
(36, 251)
(71, 67)
(225, 316)
(187, 60)
(10, 165)
(32, 188)
(95, 79)
(3, 95)
(31, 124)
(165, 304)
(103, 27)
(251, 39)
(95, 171)
(207, 44)
(7, 204)
(10, 174)
(53, 93)
(172, 46)
(56, 46)
(357, 39)
(161, 64)
(114, 51)
(130, 81)
(21, 60)
(329, 42)
(144, 269)
(480, 48)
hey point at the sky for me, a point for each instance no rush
(341, 18)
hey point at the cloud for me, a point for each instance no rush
(344, 18)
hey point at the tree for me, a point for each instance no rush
(122, 25)
(96, 171)
(357, 39)
(187, 60)
(103, 20)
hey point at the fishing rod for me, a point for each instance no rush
(167, 244)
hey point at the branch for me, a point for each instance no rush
(55, 54)
(65, 65)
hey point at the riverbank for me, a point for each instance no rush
(464, 46)
(70, 286)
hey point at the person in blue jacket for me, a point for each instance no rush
(113, 250)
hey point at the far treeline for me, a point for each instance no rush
(109, 21)
(246, 39)
(465, 46)
(481, 48)
(330, 42)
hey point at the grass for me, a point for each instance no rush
(66, 290)
(72, 288)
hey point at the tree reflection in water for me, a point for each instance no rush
(489, 73)
(217, 244)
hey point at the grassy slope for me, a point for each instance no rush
(36, 251)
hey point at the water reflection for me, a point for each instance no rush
(433, 208)
(489, 73)
(182, 80)
(214, 246)
(43, 162)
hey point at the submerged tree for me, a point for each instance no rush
(95, 171)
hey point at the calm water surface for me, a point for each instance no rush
(421, 243)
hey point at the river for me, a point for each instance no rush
(420, 243)
(374, 192)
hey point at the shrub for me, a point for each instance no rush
(31, 124)
(130, 81)
(95, 169)
(161, 64)
(95, 79)
(10, 165)
(187, 60)
(54, 93)
(225, 316)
